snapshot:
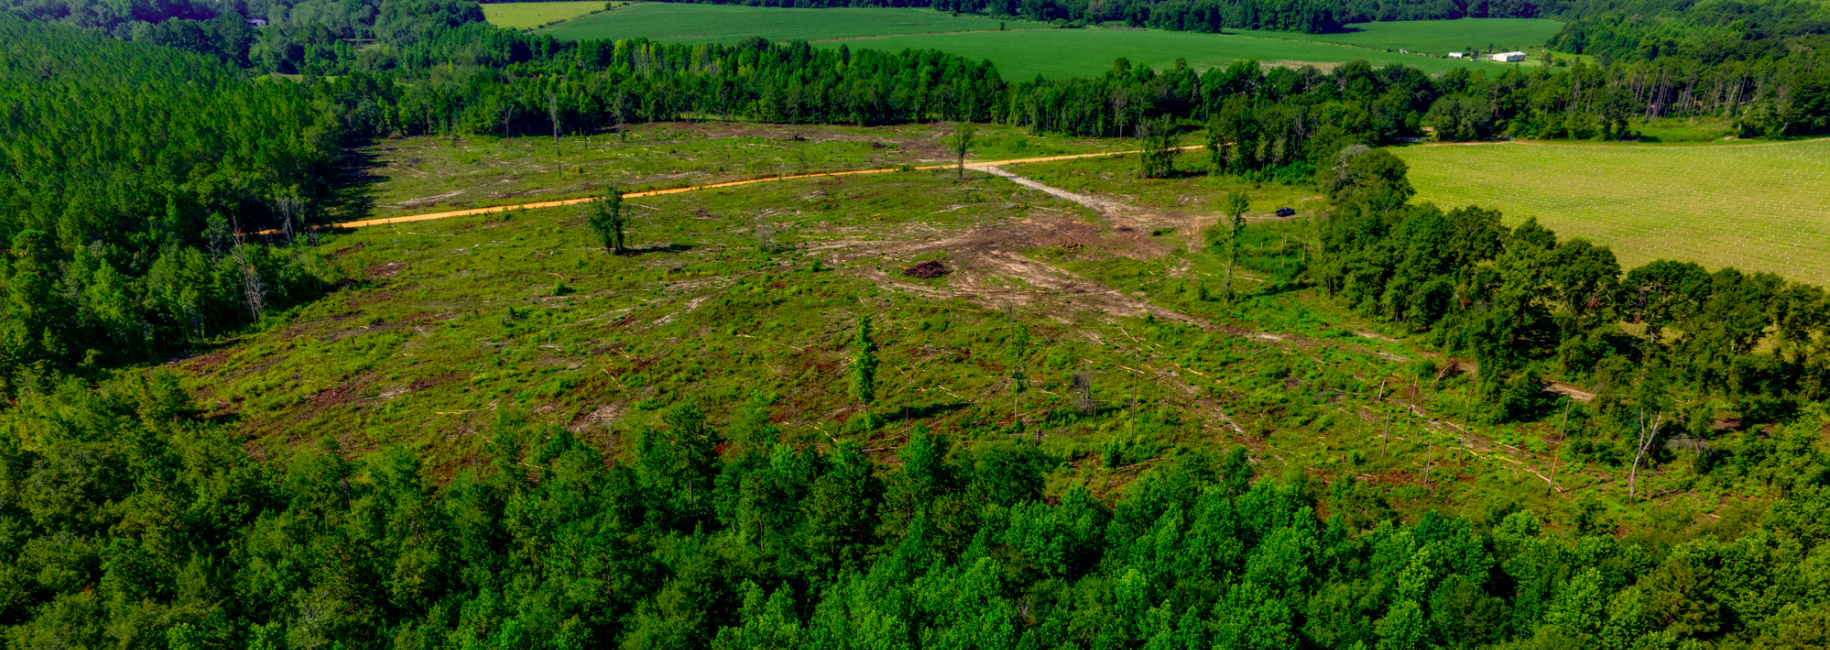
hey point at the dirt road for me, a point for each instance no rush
(981, 165)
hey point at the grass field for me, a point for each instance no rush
(1439, 36)
(1023, 51)
(528, 15)
(1759, 207)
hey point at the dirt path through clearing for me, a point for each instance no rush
(982, 166)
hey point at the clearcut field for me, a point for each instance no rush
(1759, 207)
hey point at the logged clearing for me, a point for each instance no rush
(1022, 50)
(1758, 207)
(433, 174)
(443, 327)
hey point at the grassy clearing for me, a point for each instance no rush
(1022, 52)
(528, 15)
(1759, 207)
(1439, 37)
(428, 174)
(453, 323)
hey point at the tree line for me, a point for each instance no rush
(1761, 65)
(130, 522)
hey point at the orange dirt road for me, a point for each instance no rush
(432, 216)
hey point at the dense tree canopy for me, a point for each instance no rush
(124, 197)
(130, 523)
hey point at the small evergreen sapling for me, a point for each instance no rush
(864, 366)
(605, 217)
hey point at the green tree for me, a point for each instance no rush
(961, 143)
(1158, 140)
(605, 216)
(864, 365)
(1223, 237)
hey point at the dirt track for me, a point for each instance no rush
(984, 165)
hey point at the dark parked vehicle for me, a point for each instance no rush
(1285, 212)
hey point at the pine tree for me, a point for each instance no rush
(606, 219)
(1225, 235)
(962, 144)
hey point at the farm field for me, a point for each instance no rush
(1437, 36)
(1759, 207)
(1023, 51)
(527, 15)
(681, 22)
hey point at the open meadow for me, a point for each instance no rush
(1758, 207)
(1023, 50)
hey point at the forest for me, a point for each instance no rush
(127, 199)
(171, 202)
(127, 521)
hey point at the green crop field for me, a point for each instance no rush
(1081, 52)
(1759, 207)
(527, 15)
(1023, 51)
(1439, 36)
(676, 22)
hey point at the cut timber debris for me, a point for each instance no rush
(928, 269)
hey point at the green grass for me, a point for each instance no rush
(1022, 52)
(528, 15)
(1439, 37)
(430, 174)
(1758, 207)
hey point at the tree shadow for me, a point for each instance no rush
(675, 247)
(352, 187)
(909, 413)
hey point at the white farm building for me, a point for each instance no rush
(1509, 57)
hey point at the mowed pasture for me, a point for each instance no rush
(1022, 50)
(1758, 207)
(528, 15)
